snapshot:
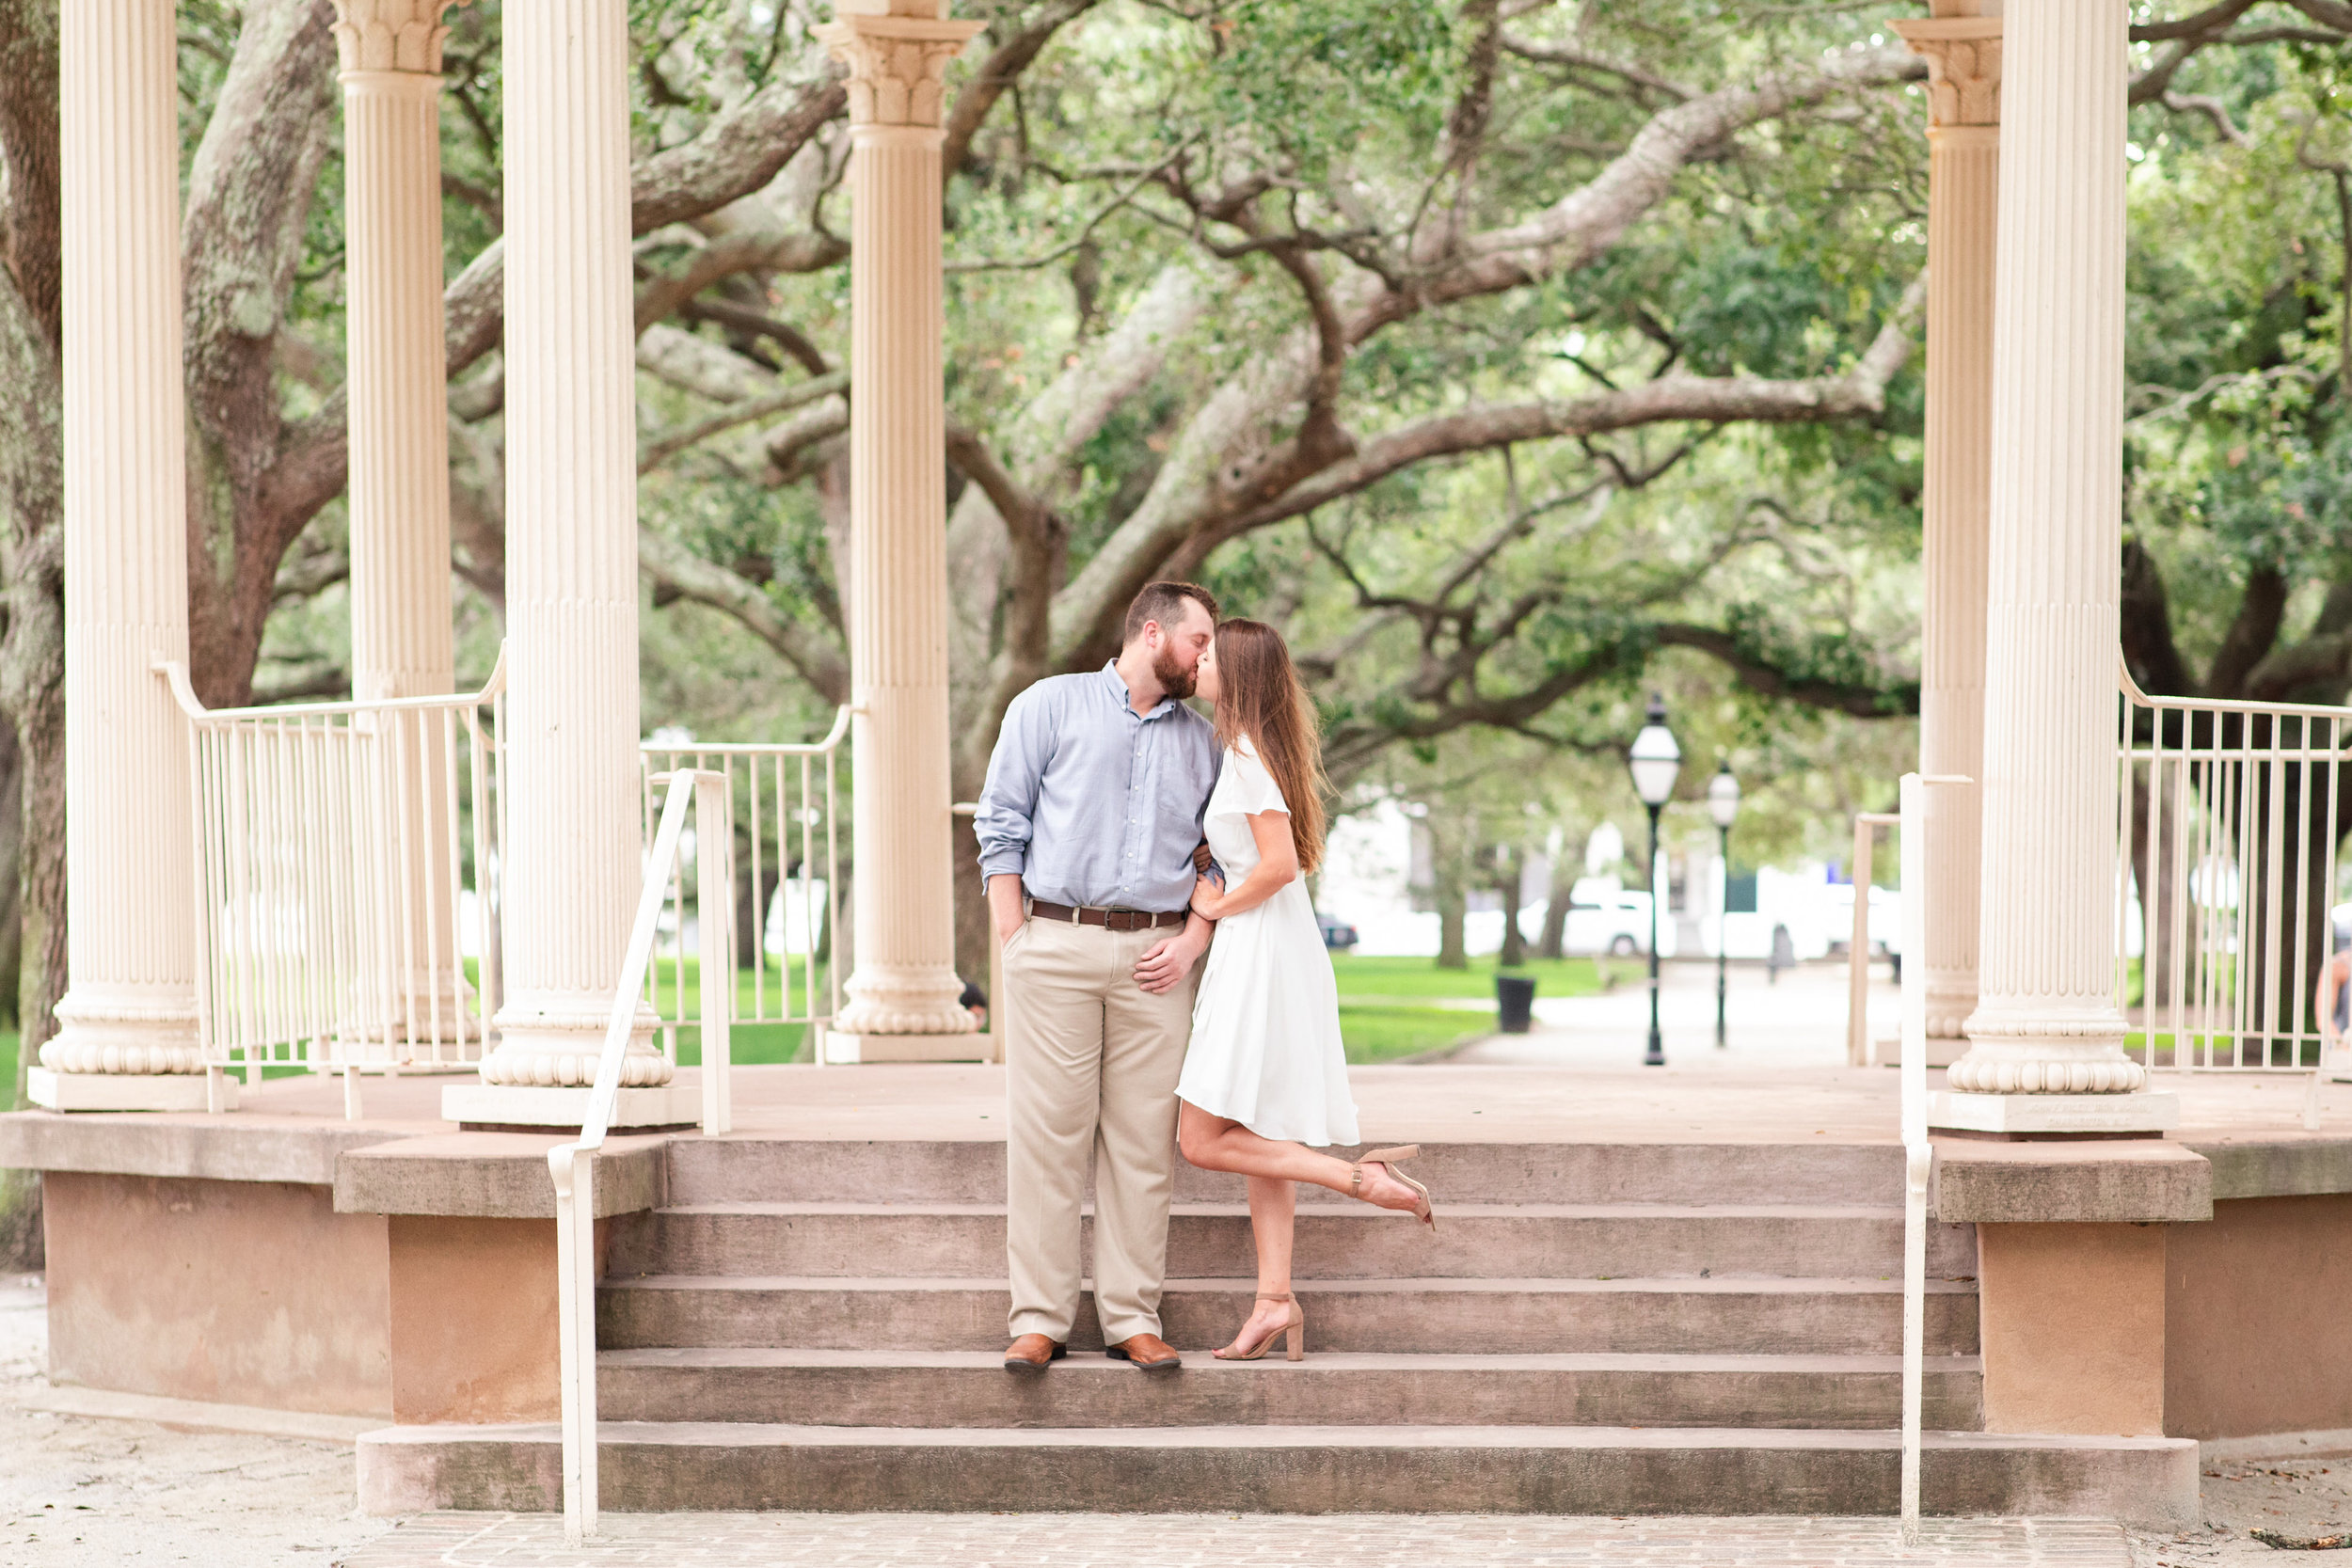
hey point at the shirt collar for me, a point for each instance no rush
(1115, 685)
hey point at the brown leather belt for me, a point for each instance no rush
(1113, 920)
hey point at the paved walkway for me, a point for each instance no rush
(1199, 1541)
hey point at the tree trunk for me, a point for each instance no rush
(32, 564)
(1513, 870)
(1446, 886)
(1553, 943)
(753, 899)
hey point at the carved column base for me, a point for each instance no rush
(2047, 1047)
(2049, 1069)
(123, 1048)
(1951, 1001)
(545, 1063)
(904, 999)
(131, 1029)
(904, 1013)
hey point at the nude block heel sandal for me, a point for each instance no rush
(1388, 1157)
(1294, 1332)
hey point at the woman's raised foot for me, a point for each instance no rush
(1375, 1179)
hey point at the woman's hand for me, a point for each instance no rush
(1207, 897)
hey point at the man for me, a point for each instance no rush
(1086, 829)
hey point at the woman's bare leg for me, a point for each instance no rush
(1218, 1143)
(1273, 1217)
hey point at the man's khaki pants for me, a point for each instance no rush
(1091, 1060)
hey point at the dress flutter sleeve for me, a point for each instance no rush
(1254, 789)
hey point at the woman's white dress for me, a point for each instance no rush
(1265, 1045)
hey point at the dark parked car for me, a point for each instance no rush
(1336, 932)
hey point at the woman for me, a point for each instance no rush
(1266, 1074)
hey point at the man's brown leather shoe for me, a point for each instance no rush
(1149, 1352)
(1033, 1352)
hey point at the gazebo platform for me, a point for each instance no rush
(1651, 1291)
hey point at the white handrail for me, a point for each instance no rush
(573, 1165)
(1918, 1153)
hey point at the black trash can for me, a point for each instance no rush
(1515, 1001)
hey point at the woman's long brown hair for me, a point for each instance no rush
(1260, 696)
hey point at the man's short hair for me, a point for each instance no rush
(1164, 602)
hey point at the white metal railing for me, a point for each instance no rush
(2226, 873)
(573, 1165)
(1861, 1050)
(346, 870)
(780, 792)
(1918, 1153)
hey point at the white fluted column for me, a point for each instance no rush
(1963, 54)
(572, 872)
(397, 371)
(2046, 1022)
(902, 996)
(127, 1037)
(390, 56)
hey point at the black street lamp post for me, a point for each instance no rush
(1654, 761)
(1723, 803)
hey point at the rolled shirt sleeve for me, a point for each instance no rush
(1005, 817)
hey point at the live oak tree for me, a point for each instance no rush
(1494, 346)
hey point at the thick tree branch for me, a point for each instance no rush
(672, 566)
(1860, 392)
(743, 251)
(657, 450)
(1568, 54)
(1760, 674)
(996, 74)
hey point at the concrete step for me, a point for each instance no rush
(747, 1168)
(971, 1388)
(1412, 1316)
(1341, 1241)
(718, 1466)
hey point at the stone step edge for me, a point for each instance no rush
(1094, 1363)
(1483, 1470)
(777, 1435)
(1843, 1212)
(1765, 1284)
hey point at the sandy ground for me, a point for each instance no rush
(77, 1492)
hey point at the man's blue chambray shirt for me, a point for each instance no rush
(1091, 803)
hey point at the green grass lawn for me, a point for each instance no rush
(1384, 1011)
(8, 1060)
(1385, 1033)
(1421, 979)
(747, 1043)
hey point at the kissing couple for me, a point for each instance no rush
(1102, 788)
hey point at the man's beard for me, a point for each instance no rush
(1174, 678)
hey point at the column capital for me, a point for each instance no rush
(897, 60)
(1963, 56)
(390, 34)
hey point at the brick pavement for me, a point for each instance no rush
(1207, 1540)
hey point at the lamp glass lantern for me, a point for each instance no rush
(1654, 760)
(1723, 797)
